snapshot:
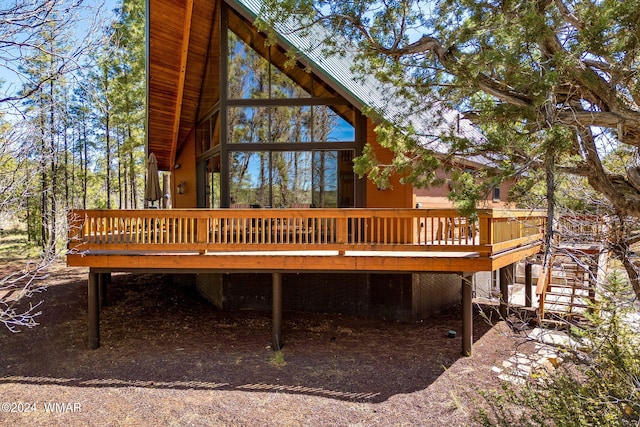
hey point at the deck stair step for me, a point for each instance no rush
(556, 280)
(568, 294)
(576, 286)
(566, 303)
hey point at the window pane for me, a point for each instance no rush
(248, 72)
(203, 137)
(287, 124)
(248, 125)
(290, 124)
(213, 182)
(283, 87)
(346, 182)
(250, 76)
(249, 178)
(284, 179)
(325, 179)
(291, 178)
(329, 126)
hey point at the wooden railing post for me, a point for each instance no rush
(342, 232)
(486, 230)
(202, 234)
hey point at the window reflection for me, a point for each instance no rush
(248, 125)
(320, 178)
(252, 77)
(318, 173)
(287, 124)
(291, 183)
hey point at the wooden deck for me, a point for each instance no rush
(365, 240)
(310, 240)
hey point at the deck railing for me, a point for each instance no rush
(302, 229)
(581, 228)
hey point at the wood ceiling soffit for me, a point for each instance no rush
(183, 68)
(166, 20)
(203, 33)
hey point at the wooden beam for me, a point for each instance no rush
(270, 261)
(93, 297)
(286, 102)
(467, 315)
(509, 257)
(506, 279)
(276, 342)
(183, 68)
(528, 282)
(103, 282)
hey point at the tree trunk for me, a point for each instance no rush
(108, 166)
(53, 167)
(119, 151)
(85, 163)
(132, 178)
(549, 167)
(43, 180)
(65, 123)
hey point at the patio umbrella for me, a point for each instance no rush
(152, 190)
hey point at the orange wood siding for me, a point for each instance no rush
(187, 174)
(399, 195)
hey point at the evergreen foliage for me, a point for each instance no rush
(597, 385)
(76, 136)
(552, 84)
(71, 124)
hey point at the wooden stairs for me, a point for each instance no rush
(567, 289)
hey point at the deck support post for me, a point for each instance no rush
(276, 344)
(528, 279)
(506, 279)
(467, 314)
(103, 281)
(93, 297)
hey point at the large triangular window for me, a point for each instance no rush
(279, 135)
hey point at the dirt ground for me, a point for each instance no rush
(170, 358)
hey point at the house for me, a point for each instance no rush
(266, 209)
